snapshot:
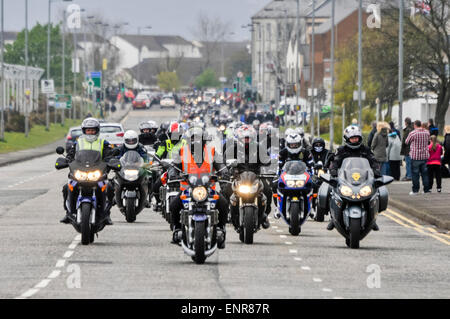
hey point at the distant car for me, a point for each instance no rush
(142, 101)
(111, 132)
(168, 101)
(72, 136)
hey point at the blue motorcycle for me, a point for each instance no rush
(294, 195)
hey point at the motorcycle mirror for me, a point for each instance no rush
(114, 164)
(60, 150)
(383, 180)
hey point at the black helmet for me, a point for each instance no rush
(318, 145)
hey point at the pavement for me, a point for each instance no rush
(23, 155)
(42, 258)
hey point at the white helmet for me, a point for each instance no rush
(131, 139)
(300, 131)
(353, 131)
(289, 131)
(294, 143)
(153, 125)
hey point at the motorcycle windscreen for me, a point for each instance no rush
(355, 170)
(294, 168)
(131, 159)
(88, 158)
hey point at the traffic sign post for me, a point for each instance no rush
(63, 101)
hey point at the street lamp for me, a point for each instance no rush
(139, 52)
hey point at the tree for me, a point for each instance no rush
(207, 79)
(210, 32)
(239, 61)
(168, 81)
(427, 49)
(37, 52)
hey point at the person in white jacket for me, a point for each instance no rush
(393, 152)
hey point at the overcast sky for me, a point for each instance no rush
(167, 17)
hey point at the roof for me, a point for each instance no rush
(154, 42)
(344, 8)
(275, 9)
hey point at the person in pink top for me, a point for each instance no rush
(434, 163)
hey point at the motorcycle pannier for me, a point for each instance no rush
(324, 197)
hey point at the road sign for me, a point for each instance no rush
(96, 77)
(105, 64)
(48, 86)
(355, 95)
(240, 74)
(223, 79)
(63, 101)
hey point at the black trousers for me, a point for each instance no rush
(395, 169)
(156, 186)
(176, 206)
(434, 171)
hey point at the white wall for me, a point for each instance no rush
(128, 53)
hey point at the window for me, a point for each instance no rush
(110, 129)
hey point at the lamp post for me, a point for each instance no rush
(139, 54)
(311, 120)
(2, 120)
(333, 11)
(360, 63)
(27, 115)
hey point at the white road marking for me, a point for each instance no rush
(306, 268)
(68, 254)
(317, 280)
(44, 283)
(327, 290)
(283, 236)
(54, 274)
(73, 245)
(279, 231)
(288, 243)
(60, 263)
(293, 251)
(29, 293)
(275, 227)
(297, 259)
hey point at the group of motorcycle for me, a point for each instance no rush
(354, 198)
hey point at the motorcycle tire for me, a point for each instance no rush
(320, 215)
(86, 232)
(249, 225)
(130, 213)
(355, 232)
(199, 242)
(294, 212)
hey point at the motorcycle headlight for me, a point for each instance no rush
(94, 176)
(365, 191)
(299, 183)
(131, 174)
(199, 193)
(248, 189)
(290, 183)
(80, 175)
(346, 191)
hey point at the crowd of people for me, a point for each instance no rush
(418, 147)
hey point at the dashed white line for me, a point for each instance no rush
(288, 243)
(68, 254)
(317, 280)
(279, 231)
(297, 259)
(283, 236)
(44, 283)
(29, 293)
(327, 290)
(293, 251)
(73, 245)
(60, 263)
(54, 274)
(306, 268)
(275, 227)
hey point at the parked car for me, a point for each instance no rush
(168, 101)
(142, 101)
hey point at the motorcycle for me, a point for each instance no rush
(131, 184)
(355, 199)
(248, 194)
(294, 195)
(88, 178)
(199, 217)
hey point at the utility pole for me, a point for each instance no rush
(297, 68)
(333, 13)
(27, 114)
(74, 73)
(2, 121)
(63, 63)
(360, 63)
(311, 121)
(400, 67)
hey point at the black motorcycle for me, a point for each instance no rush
(88, 180)
(131, 184)
(355, 199)
(248, 194)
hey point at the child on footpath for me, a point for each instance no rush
(434, 163)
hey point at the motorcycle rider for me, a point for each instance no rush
(353, 147)
(246, 135)
(88, 141)
(131, 143)
(166, 149)
(190, 162)
(148, 132)
(319, 152)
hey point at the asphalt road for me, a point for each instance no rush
(41, 258)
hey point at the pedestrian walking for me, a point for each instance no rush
(379, 146)
(394, 157)
(434, 163)
(418, 141)
(406, 149)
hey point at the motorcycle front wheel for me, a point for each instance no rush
(199, 242)
(294, 212)
(86, 232)
(130, 213)
(355, 231)
(247, 229)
